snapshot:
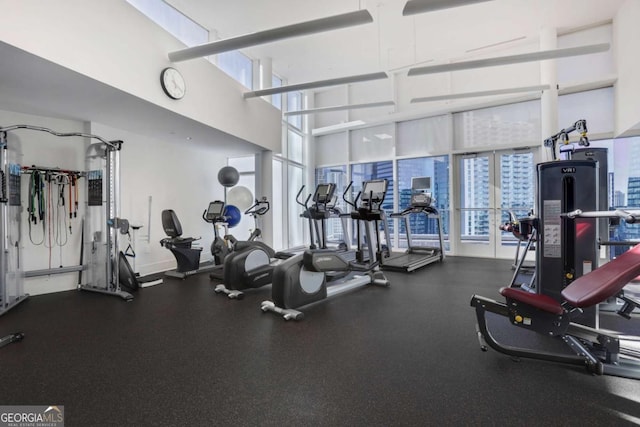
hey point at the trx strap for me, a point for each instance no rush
(71, 180)
(36, 196)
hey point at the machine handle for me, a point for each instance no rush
(257, 208)
(344, 196)
(630, 217)
(298, 197)
(204, 216)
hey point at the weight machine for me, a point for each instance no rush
(100, 256)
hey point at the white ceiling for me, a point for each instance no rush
(392, 41)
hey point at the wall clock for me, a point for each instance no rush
(173, 83)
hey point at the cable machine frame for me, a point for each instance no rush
(111, 225)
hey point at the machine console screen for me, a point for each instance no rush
(376, 189)
(324, 193)
(215, 210)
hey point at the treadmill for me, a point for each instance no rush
(416, 257)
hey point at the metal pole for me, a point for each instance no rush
(109, 229)
(3, 223)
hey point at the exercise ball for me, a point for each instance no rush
(233, 215)
(241, 197)
(228, 176)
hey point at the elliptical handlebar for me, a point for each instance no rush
(259, 208)
(344, 196)
(298, 198)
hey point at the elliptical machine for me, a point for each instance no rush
(250, 264)
(304, 279)
(322, 209)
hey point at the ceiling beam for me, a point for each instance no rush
(339, 108)
(413, 7)
(336, 22)
(512, 59)
(320, 83)
(482, 93)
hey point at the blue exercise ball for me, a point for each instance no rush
(228, 176)
(233, 215)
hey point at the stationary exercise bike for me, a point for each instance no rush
(304, 279)
(220, 246)
(187, 256)
(251, 263)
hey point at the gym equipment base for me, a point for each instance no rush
(354, 283)
(588, 344)
(232, 294)
(185, 274)
(12, 304)
(116, 293)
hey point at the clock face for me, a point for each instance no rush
(173, 83)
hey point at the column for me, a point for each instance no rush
(264, 188)
(266, 75)
(549, 101)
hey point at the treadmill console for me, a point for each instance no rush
(214, 211)
(421, 196)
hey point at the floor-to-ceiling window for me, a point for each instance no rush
(623, 186)
(492, 180)
(289, 175)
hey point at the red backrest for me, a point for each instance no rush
(604, 282)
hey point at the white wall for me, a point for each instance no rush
(179, 177)
(626, 37)
(113, 43)
(330, 98)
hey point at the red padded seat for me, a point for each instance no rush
(604, 282)
(542, 302)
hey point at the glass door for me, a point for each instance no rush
(516, 191)
(492, 184)
(475, 200)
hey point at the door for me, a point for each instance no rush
(491, 184)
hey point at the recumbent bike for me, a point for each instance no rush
(187, 256)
